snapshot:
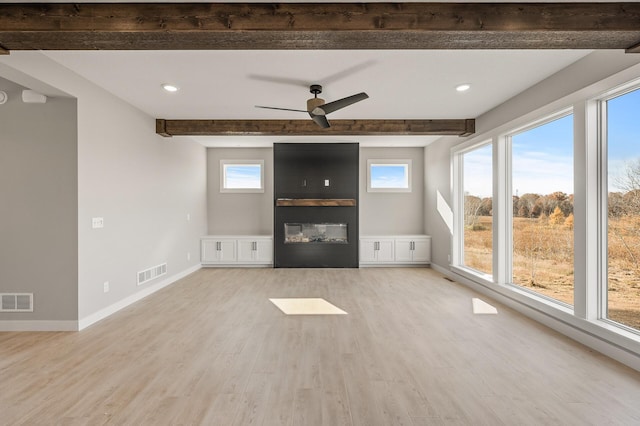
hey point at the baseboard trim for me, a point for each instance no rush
(36, 325)
(595, 342)
(395, 265)
(112, 309)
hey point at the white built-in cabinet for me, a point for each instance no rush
(413, 250)
(250, 250)
(395, 250)
(376, 250)
(255, 250)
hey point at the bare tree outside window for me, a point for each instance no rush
(623, 207)
(542, 170)
(478, 220)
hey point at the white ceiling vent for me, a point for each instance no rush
(16, 302)
(151, 273)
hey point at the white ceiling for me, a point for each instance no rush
(407, 84)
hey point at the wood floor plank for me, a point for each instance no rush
(213, 350)
(308, 407)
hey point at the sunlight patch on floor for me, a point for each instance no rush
(480, 307)
(307, 306)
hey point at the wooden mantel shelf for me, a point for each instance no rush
(315, 202)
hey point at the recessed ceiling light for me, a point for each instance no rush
(463, 87)
(170, 88)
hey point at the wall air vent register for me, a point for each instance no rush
(151, 273)
(16, 302)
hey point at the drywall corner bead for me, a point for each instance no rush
(3, 97)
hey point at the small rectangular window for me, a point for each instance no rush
(242, 176)
(388, 175)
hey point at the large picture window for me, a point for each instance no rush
(512, 211)
(621, 115)
(542, 218)
(241, 176)
(477, 177)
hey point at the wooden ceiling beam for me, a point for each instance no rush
(456, 127)
(3, 51)
(634, 49)
(221, 26)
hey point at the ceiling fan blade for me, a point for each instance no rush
(341, 103)
(279, 80)
(281, 109)
(321, 121)
(347, 72)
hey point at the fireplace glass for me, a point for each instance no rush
(335, 233)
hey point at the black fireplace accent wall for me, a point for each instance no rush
(316, 197)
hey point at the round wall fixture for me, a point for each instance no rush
(3, 97)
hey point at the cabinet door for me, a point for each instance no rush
(227, 252)
(246, 250)
(259, 250)
(367, 250)
(404, 252)
(263, 252)
(385, 251)
(422, 250)
(209, 251)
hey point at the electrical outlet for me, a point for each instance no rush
(188, 217)
(105, 286)
(326, 182)
(97, 222)
(188, 256)
(449, 258)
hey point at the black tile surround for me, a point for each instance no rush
(300, 172)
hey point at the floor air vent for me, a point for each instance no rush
(16, 302)
(151, 273)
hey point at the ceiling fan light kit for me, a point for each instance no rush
(318, 109)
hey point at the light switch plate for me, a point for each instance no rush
(326, 182)
(97, 222)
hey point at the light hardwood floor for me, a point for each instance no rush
(212, 350)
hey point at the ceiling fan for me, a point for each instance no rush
(317, 109)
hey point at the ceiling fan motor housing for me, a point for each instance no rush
(313, 103)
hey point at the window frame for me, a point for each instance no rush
(508, 267)
(603, 203)
(384, 162)
(224, 164)
(458, 208)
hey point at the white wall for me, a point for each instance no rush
(39, 205)
(142, 184)
(239, 213)
(392, 213)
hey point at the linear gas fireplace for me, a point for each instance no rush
(316, 208)
(313, 233)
